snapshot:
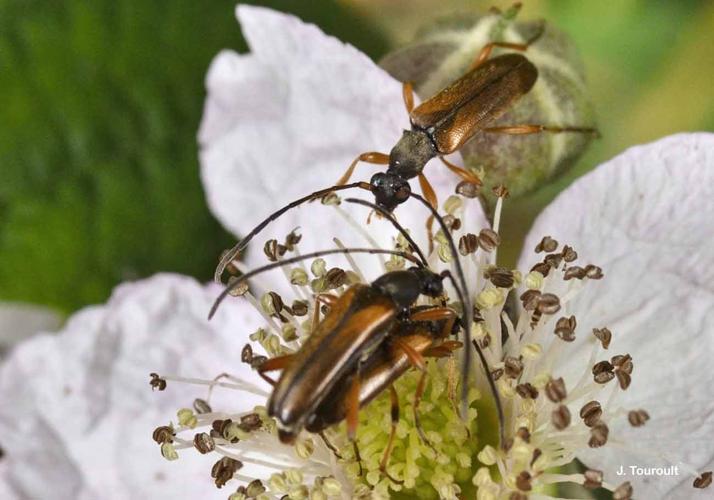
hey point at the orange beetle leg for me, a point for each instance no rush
(373, 157)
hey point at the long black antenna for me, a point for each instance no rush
(468, 316)
(299, 258)
(394, 222)
(233, 252)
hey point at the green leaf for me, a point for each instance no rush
(100, 103)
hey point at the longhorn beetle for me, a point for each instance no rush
(461, 288)
(445, 122)
(358, 323)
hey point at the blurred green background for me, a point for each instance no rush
(100, 103)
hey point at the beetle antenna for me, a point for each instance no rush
(233, 252)
(394, 222)
(299, 258)
(468, 313)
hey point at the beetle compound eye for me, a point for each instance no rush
(378, 180)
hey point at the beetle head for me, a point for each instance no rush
(432, 285)
(389, 190)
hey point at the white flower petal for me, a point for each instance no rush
(286, 120)
(18, 321)
(646, 217)
(78, 412)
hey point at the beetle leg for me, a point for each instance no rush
(421, 385)
(532, 128)
(326, 298)
(442, 350)
(430, 196)
(352, 417)
(272, 364)
(488, 48)
(329, 445)
(462, 172)
(415, 358)
(372, 157)
(408, 95)
(392, 434)
(358, 457)
(434, 314)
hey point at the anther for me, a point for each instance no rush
(238, 290)
(593, 272)
(163, 434)
(623, 379)
(335, 278)
(488, 240)
(548, 303)
(272, 303)
(623, 492)
(638, 418)
(574, 272)
(593, 479)
(568, 254)
(246, 354)
(298, 276)
(524, 434)
(500, 277)
(204, 443)
(468, 244)
(527, 391)
(224, 469)
(553, 260)
(467, 189)
(703, 481)
(530, 299)
(250, 422)
(536, 455)
(513, 367)
(565, 328)
(299, 308)
(523, 481)
(604, 335)
(603, 372)
(561, 417)
(157, 382)
(201, 406)
(542, 267)
(501, 191)
(623, 362)
(292, 239)
(555, 390)
(591, 413)
(547, 245)
(274, 250)
(255, 488)
(452, 222)
(598, 435)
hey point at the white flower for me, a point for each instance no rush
(77, 414)
(290, 114)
